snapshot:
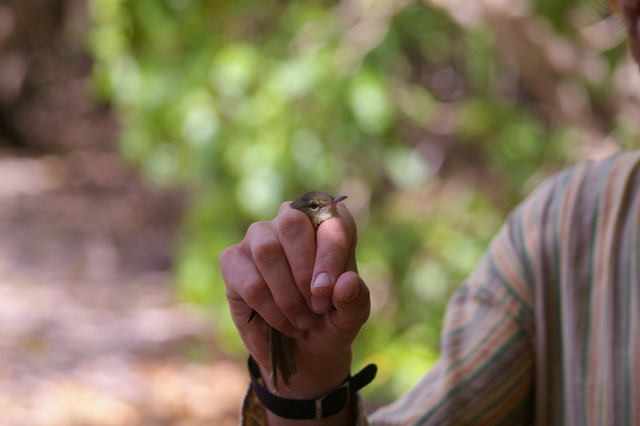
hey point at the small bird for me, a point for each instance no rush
(318, 206)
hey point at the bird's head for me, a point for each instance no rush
(318, 206)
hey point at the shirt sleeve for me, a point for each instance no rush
(485, 373)
(252, 412)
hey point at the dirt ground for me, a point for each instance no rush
(91, 332)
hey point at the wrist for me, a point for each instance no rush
(313, 379)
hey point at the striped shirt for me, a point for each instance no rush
(546, 331)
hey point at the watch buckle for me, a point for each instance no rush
(320, 400)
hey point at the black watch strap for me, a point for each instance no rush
(326, 406)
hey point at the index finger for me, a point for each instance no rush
(298, 241)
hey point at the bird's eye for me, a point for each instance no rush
(313, 205)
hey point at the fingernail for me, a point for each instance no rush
(304, 321)
(322, 281)
(320, 304)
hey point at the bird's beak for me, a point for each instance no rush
(336, 200)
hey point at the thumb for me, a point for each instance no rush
(351, 301)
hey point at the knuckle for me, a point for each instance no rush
(231, 296)
(288, 304)
(302, 274)
(284, 205)
(290, 222)
(226, 255)
(264, 251)
(254, 289)
(256, 228)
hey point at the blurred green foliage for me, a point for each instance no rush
(435, 118)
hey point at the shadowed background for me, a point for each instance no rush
(138, 138)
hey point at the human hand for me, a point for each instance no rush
(292, 279)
